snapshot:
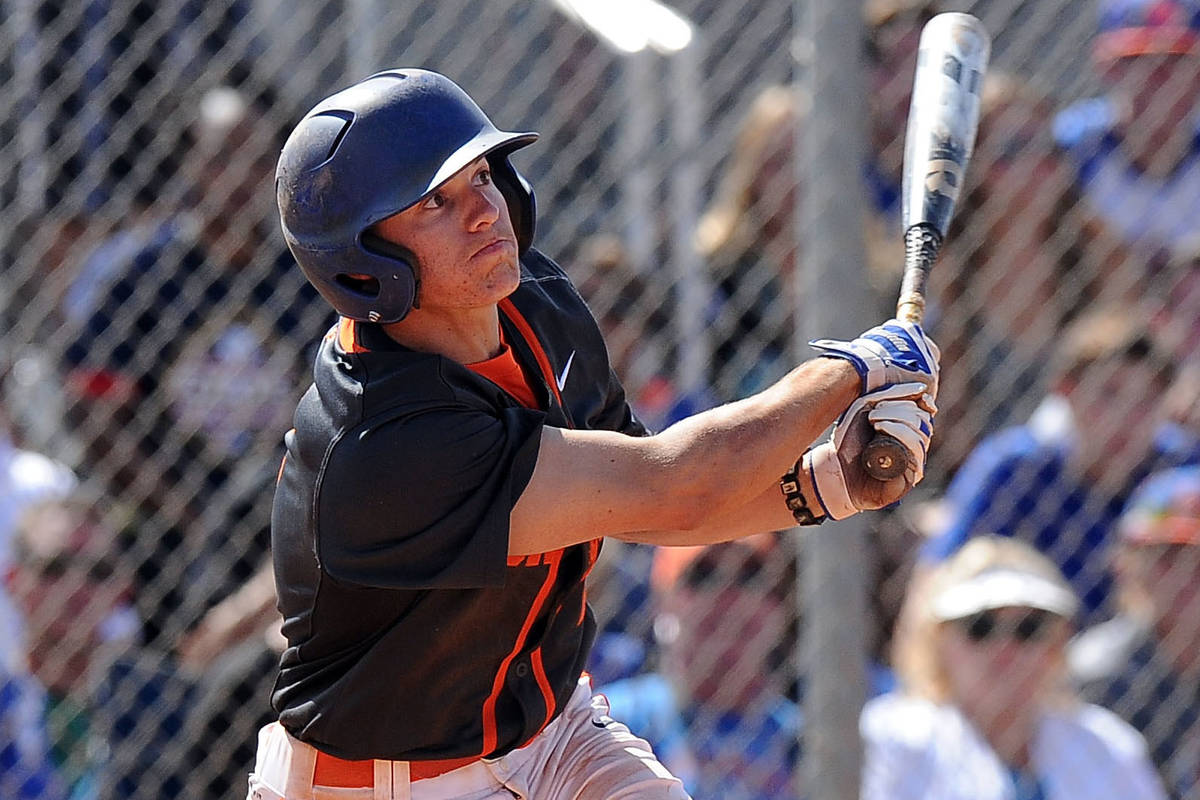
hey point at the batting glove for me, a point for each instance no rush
(904, 411)
(894, 352)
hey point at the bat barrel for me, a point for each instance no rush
(943, 117)
(942, 120)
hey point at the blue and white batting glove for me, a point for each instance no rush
(894, 352)
(905, 411)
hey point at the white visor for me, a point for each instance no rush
(1004, 587)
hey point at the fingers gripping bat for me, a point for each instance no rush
(943, 117)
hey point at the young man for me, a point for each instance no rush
(465, 448)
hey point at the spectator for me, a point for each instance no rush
(26, 478)
(1145, 663)
(1135, 152)
(73, 593)
(1060, 481)
(985, 712)
(720, 698)
(727, 629)
(747, 239)
(183, 374)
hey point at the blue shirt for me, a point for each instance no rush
(26, 769)
(1016, 483)
(1142, 209)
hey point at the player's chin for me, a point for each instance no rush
(505, 275)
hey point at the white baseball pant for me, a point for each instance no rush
(581, 755)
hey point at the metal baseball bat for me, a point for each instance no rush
(943, 117)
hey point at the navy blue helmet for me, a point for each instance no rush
(368, 152)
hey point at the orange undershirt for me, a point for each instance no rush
(504, 371)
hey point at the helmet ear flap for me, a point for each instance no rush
(405, 260)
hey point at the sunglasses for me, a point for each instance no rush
(60, 566)
(1033, 625)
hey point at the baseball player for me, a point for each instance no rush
(465, 448)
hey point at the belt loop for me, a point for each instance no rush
(301, 760)
(383, 780)
(401, 781)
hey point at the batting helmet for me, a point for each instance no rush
(368, 152)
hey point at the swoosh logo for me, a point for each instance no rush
(561, 380)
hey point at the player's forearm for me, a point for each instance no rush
(731, 453)
(707, 468)
(765, 513)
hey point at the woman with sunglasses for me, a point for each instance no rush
(985, 711)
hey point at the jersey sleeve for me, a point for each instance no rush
(423, 501)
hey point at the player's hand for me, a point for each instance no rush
(904, 411)
(891, 353)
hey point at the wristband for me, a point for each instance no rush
(789, 484)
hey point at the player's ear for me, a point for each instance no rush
(375, 243)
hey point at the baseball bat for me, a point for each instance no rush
(943, 117)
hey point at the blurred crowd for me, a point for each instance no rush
(1035, 628)
(1035, 608)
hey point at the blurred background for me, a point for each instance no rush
(156, 336)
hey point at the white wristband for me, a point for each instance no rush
(825, 469)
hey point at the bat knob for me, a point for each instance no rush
(884, 458)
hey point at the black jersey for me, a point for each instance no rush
(411, 633)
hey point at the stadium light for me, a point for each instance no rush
(632, 25)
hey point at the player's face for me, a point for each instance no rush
(463, 238)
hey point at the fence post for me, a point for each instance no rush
(833, 302)
(686, 117)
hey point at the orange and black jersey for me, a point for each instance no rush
(411, 634)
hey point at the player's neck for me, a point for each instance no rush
(463, 335)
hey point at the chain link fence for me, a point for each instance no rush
(157, 335)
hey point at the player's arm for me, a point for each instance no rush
(766, 512)
(589, 484)
(724, 465)
(830, 480)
